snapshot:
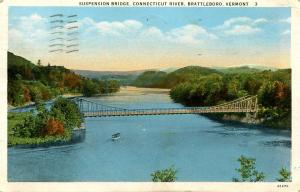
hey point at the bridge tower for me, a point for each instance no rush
(253, 107)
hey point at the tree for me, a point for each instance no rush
(53, 127)
(15, 92)
(90, 88)
(72, 80)
(285, 175)
(39, 63)
(68, 111)
(252, 85)
(165, 175)
(248, 171)
(274, 94)
(35, 94)
(26, 94)
(112, 86)
(27, 128)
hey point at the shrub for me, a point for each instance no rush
(53, 127)
(166, 175)
(248, 171)
(27, 128)
(285, 175)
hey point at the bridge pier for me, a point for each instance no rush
(251, 115)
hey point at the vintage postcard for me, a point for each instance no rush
(150, 95)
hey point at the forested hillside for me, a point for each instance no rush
(28, 82)
(199, 86)
(168, 80)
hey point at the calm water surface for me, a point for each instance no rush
(199, 148)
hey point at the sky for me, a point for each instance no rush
(126, 39)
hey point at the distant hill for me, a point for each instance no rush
(168, 80)
(150, 79)
(124, 77)
(99, 74)
(244, 69)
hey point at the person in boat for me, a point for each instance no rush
(116, 136)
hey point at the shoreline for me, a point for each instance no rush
(77, 136)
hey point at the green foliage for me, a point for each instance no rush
(29, 128)
(285, 175)
(165, 175)
(14, 92)
(272, 87)
(248, 171)
(29, 82)
(67, 111)
(95, 86)
(111, 86)
(150, 79)
(90, 88)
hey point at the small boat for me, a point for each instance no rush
(115, 136)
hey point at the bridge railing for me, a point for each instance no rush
(92, 108)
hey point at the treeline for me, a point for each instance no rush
(29, 82)
(198, 86)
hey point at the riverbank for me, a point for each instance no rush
(76, 135)
(45, 126)
(31, 103)
(250, 120)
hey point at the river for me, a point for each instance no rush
(199, 148)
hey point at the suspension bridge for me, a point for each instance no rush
(247, 104)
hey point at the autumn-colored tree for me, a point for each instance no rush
(275, 94)
(252, 85)
(72, 80)
(281, 91)
(53, 127)
(45, 94)
(28, 73)
(26, 94)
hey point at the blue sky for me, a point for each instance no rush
(141, 38)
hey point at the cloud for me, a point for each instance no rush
(242, 30)
(133, 29)
(34, 18)
(152, 32)
(286, 32)
(189, 34)
(119, 28)
(241, 26)
(260, 21)
(28, 35)
(287, 20)
(31, 27)
(228, 23)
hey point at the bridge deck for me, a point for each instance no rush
(93, 109)
(172, 111)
